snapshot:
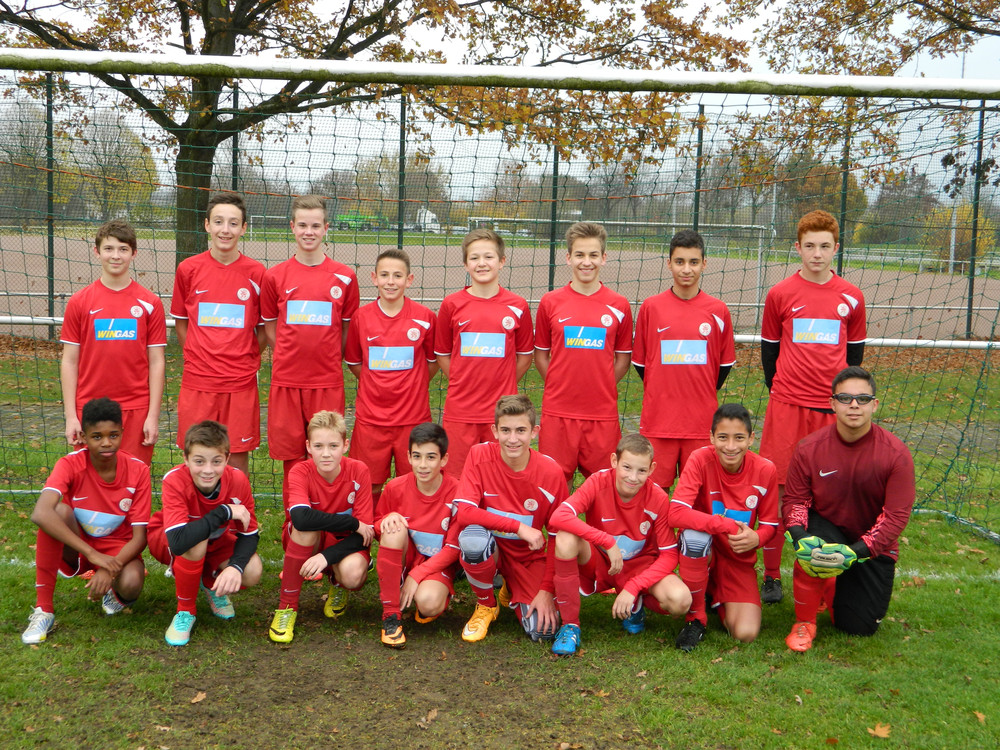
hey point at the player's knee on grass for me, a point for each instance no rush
(672, 595)
(128, 585)
(567, 545)
(742, 621)
(695, 544)
(352, 571)
(477, 544)
(431, 598)
(252, 572)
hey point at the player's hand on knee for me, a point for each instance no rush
(313, 567)
(531, 535)
(393, 523)
(228, 581)
(833, 556)
(367, 532)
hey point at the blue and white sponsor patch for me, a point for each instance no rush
(483, 344)
(522, 517)
(630, 547)
(218, 315)
(116, 329)
(684, 352)
(584, 337)
(95, 523)
(427, 544)
(815, 331)
(390, 358)
(309, 312)
(719, 509)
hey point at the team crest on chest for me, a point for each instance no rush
(413, 334)
(751, 501)
(842, 309)
(336, 292)
(124, 504)
(704, 329)
(243, 294)
(136, 311)
(606, 320)
(531, 504)
(445, 523)
(508, 322)
(350, 498)
(644, 528)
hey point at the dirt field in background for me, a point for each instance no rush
(900, 305)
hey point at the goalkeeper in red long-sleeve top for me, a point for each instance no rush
(626, 543)
(726, 505)
(848, 497)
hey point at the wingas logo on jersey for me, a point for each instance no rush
(309, 313)
(630, 547)
(815, 331)
(95, 523)
(427, 544)
(584, 337)
(524, 518)
(390, 358)
(212, 315)
(483, 344)
(684, 352)
(719, 509)
(116, 329)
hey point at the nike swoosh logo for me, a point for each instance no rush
(661, 330)
(94, 312)
(246, 440)
(462, 323)
(200, 291)
(606, 520)
(715, 492)
(563, 320)
(491, 494)
(289, 291)
(827, 473)
(796, 309)
(78, 499)
(372, 338)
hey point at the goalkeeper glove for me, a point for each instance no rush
(805, 546)
(832, 556)
(815, 572)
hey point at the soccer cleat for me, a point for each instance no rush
(503, 596)
(567, 640)
(40, 624)
(283, 625)
(479, 624)
(635, 623)
(392, 632)
(690, 636)
(220, 605)
(179, 631)
(770, 590)
(801, 637)
(422, 619)
(112, 604)
(336, 601)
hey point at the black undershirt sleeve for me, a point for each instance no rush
(347, 546)
(183, 538)
(641, 370)
(861, 550)
(769, 360)
(243, 549)
(307, 519)
(855, 354)
(724, 371)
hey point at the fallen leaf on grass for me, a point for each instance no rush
(798, 699)
(880, 730)
(716, 660)
(443, 657)
(161, 728)
(431, 715)
(832, 741)
(199, 697)
(569, 746)
(776, 731)
(643, 673)
(980, 716)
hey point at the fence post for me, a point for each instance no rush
(975, 216)
(401, 182)
(235, 176)
(696, 203)
(50, 185)
(844, 174)
(553, 217)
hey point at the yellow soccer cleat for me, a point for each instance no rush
(283, 625)
(479, 624)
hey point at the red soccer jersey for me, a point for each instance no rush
(865, 488)
(394, 354)
(482, 337)
(350, 492)
(114, 330)
(640, 527)
(681, 344)
(495, 496)
(429, 521)
(103, 509)
(183, 502)
(310, 304)
(814, 323)
(708, 498)
(582, 333)
(221, 304)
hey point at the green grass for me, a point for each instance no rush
(112, 682)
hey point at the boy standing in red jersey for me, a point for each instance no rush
(114, 335)
(207, 532)
(625, 543)
(307, 303)
(216, 311)
(418, 543)
(91, 516)
(390, 350)
(484, 344)
(583, 333)
(813, 327)
(505, 497)
(328, 523)
(726, 506)
(683, 351)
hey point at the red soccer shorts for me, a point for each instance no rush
(732, 582)
(784, 426)
(289, 411)
(594, 574)
(239, 412)
(378, 446)
(132, 421)
(585, 443)
(326, 539)
(461, 437)
(105, 545)
(670, 455)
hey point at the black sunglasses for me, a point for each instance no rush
(847, 398)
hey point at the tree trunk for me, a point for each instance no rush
(194, 178)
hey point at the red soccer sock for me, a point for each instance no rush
(483, 572)
(694, 573)
(291, 580)
(187, 576)
(48, 554)
(808, 594)
(389, 567)
(772, 553)
(567, 586)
